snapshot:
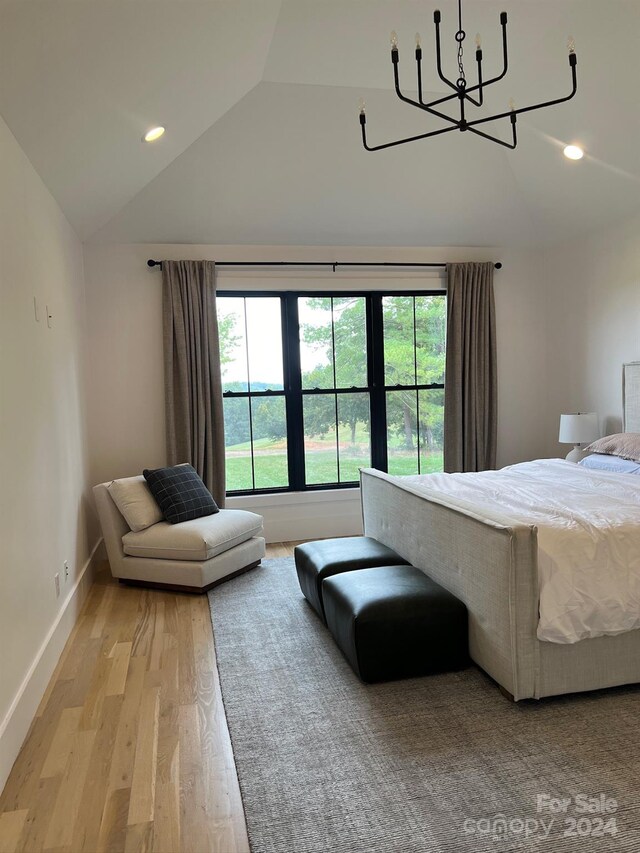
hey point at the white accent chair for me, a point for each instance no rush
(191, 556)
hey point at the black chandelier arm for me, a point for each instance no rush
(436, 19)
(505, 62)
(428, 109)
(573, 61)
(438, 101)
(460, 87)
(482, 84)
(456, 94)
(363, 122)
(421, 101)
(477, 88)
(488, 136)
(442, 100)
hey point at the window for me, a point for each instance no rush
(255, 422)
(414, 354)
(318, 385)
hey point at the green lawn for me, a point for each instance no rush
(271, 467)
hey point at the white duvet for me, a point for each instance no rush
(588, 539)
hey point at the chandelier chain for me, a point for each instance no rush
(460, 36)
(460, 61)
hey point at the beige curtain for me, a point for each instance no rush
(193, 389)
(470, 395)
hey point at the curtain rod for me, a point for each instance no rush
(333, 264)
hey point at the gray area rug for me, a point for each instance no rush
(443, 763)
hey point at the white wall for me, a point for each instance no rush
(593, 287)
(44, 518)
(126, 397)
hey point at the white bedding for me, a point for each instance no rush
(588, 539)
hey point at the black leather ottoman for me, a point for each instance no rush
(316, 561)
(395, 622)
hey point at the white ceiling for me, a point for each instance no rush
(260, 101)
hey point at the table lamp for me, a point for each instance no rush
(578, 429)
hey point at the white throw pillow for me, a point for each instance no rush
(133, 498)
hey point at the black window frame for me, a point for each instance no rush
(294, 393)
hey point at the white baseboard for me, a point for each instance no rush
(15, 726)
(291, 516)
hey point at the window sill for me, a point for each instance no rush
(293, 498)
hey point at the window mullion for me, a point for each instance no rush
(335, 385)
(293, 391)
(415, 373)
(375, 368)
(253, 461)
(246, 349)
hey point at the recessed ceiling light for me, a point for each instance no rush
(573, 152)
(153, 134)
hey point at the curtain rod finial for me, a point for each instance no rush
(498, 266)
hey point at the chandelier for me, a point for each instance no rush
(466, 95)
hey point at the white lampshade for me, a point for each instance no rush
(581, 428)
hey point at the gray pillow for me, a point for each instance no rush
(626, 445)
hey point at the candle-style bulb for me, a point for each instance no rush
(571, 44)
(478, 41)
(418, 40)
(512, 104)
(362, 105)
(394, 40)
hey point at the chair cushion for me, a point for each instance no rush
(395, 622)
(180, 493)
(133, 498)
(198, 539)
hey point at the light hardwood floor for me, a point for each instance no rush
(130, 749)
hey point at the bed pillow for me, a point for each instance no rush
(626, 445)
(613, 464)
(133, 498)
(180, 493)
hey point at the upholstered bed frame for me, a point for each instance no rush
(490, 562)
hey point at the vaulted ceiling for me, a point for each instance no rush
(260, 101)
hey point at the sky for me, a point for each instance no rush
(263, 324)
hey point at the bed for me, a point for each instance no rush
(489, 555)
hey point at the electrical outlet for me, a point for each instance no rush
(49, 318)
(56, 580)
(66, 569)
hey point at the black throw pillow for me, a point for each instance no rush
(180, 493)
